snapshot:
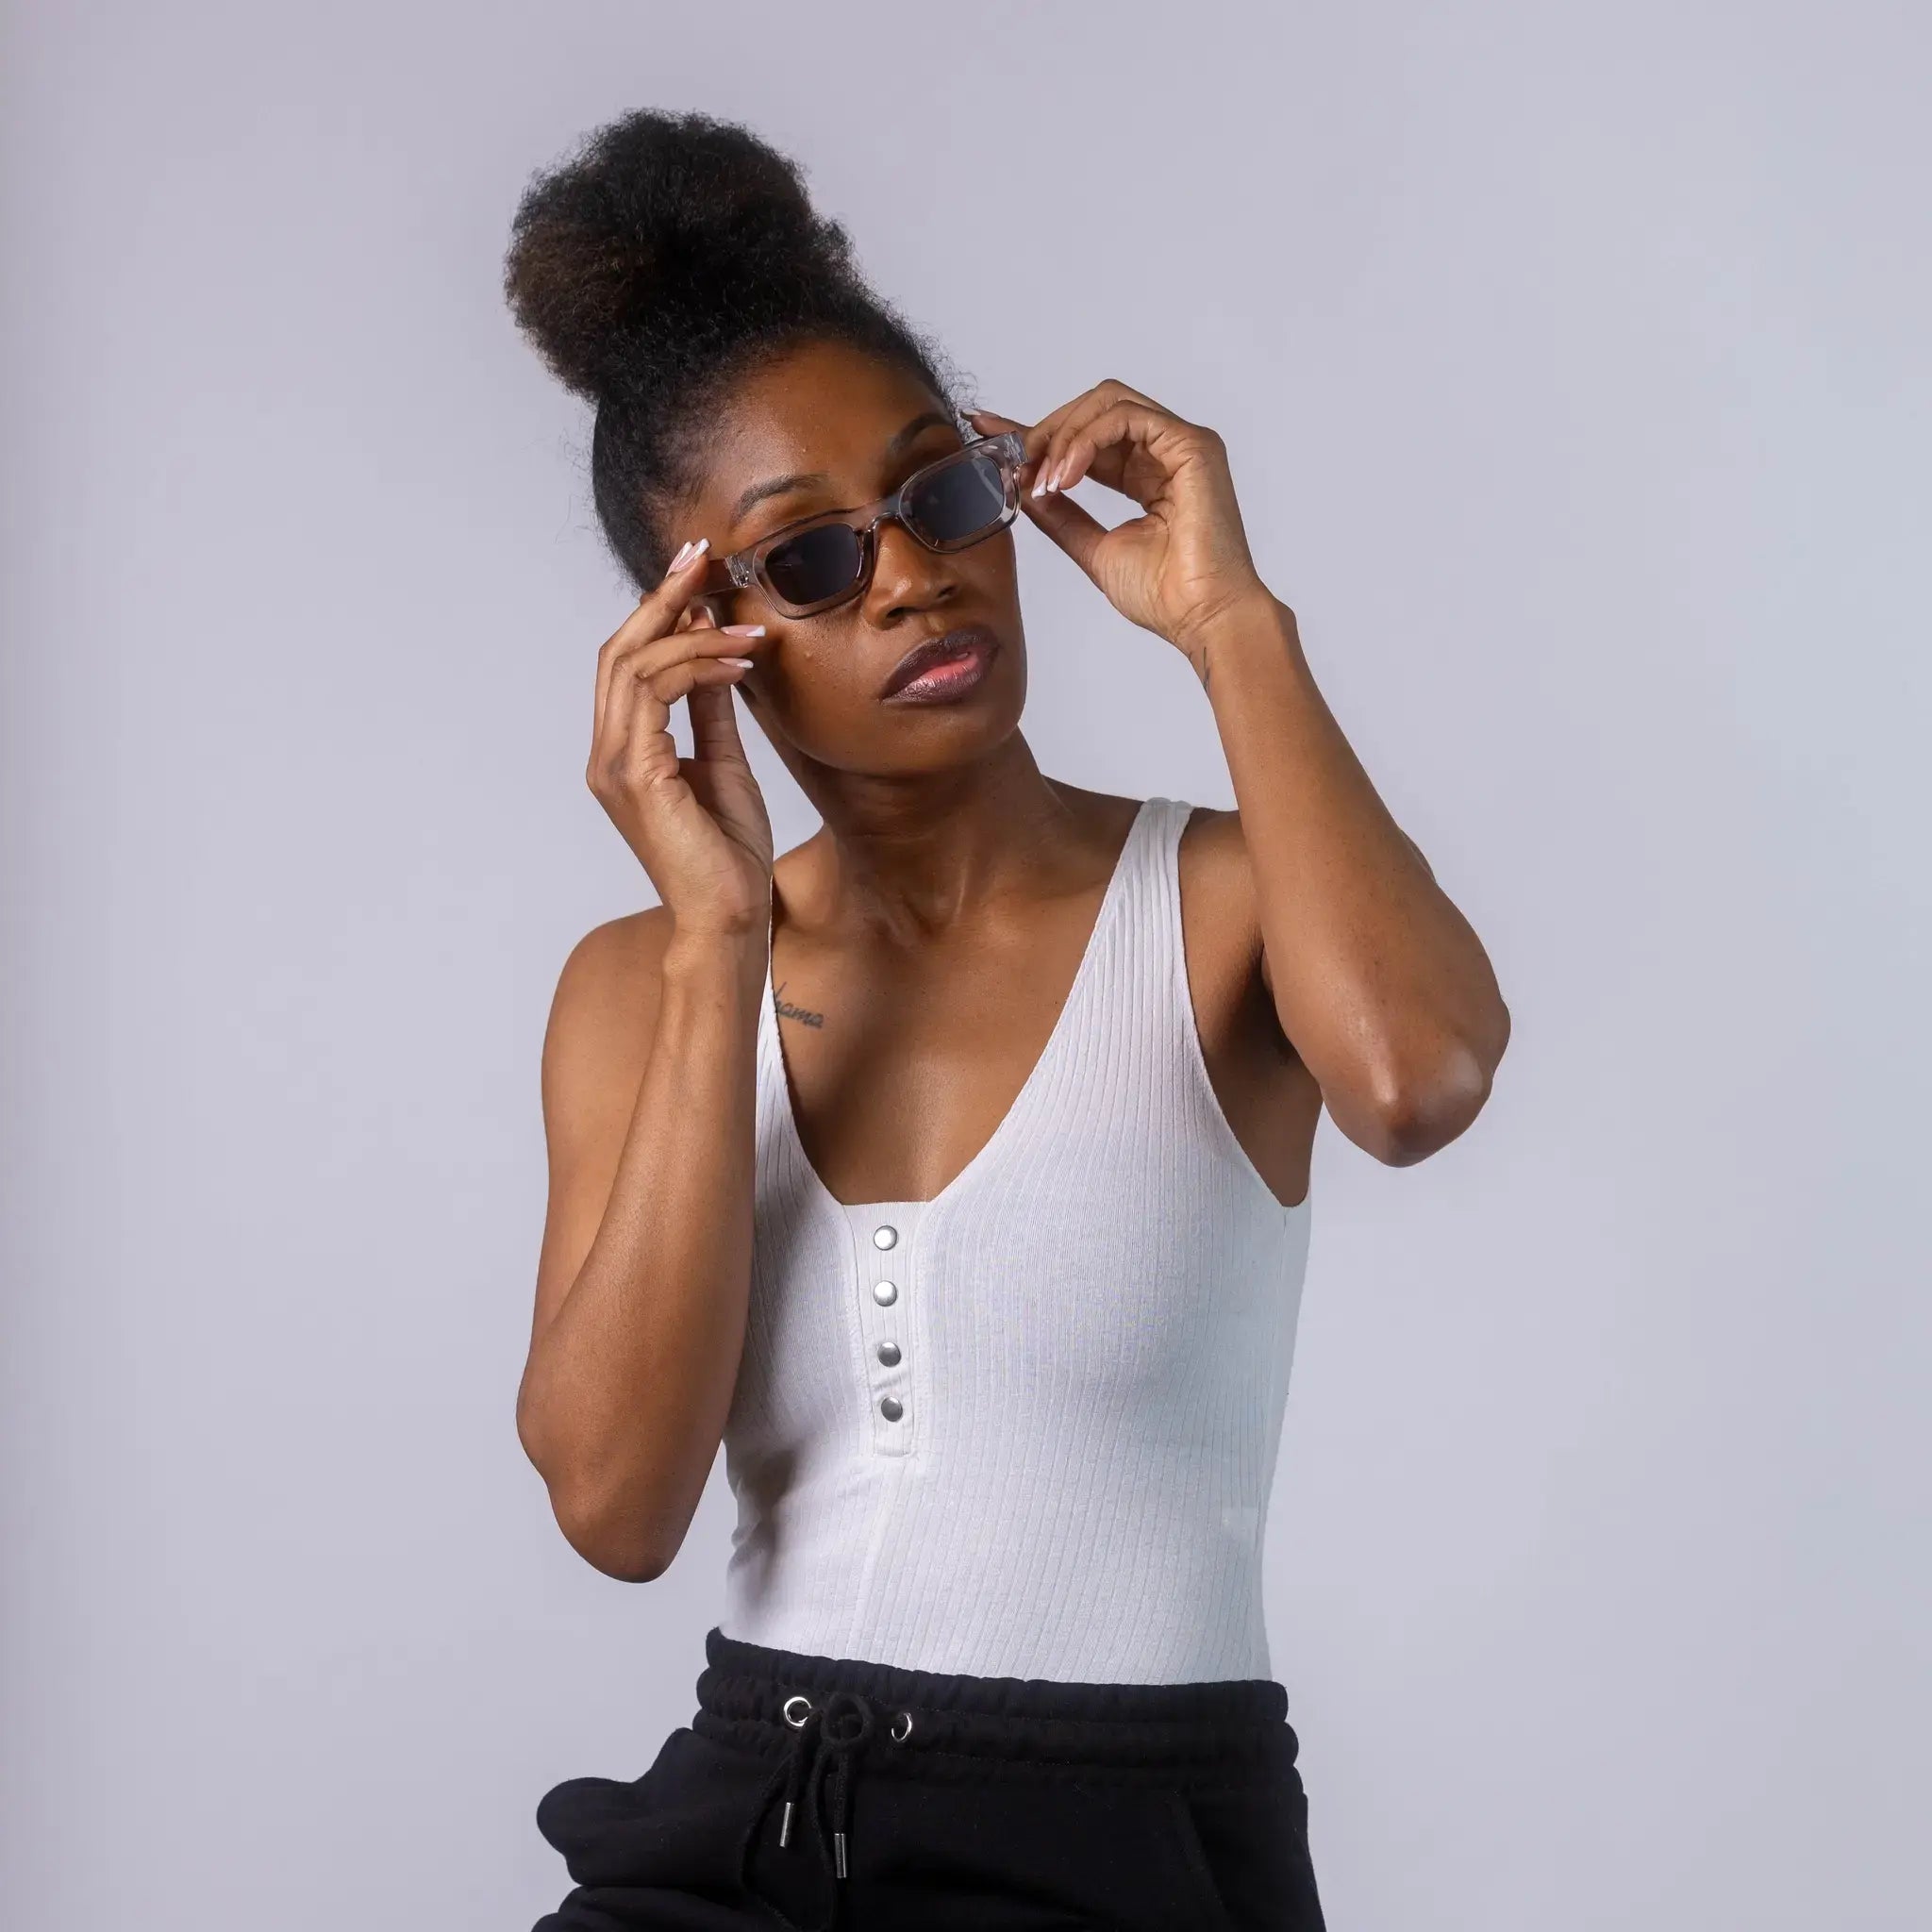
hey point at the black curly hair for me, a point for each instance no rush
(662, 260)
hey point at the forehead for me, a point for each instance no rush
(826, 406)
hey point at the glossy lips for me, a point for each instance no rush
(943, 667)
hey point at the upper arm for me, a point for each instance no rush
(602, 1023)
(1261, 947)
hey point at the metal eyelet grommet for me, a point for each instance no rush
(902, 1726)
(797, 1722)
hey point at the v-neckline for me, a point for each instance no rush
(1081, 975)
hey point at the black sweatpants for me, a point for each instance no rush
(815, 1791)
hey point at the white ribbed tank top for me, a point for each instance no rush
(1028, 1429)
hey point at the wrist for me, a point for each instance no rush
(711, 954)
(1258, 627)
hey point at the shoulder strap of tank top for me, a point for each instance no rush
(1134, 972)
(1165, 864)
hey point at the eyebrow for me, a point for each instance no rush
(777, 485)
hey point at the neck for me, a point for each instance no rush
(920, 851)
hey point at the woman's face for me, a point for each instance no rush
(830, 428)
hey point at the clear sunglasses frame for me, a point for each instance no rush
(746, 567)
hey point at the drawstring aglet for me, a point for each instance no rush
(785, 1824)
(839, 1847)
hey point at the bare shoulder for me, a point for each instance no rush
(1215, 832)
(1222, 919)
(1218, 889)
(613, 963)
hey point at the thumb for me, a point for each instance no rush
(1068, 524)
(715, 723)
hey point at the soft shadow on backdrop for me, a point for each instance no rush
(1571, 367)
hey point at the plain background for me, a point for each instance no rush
(1573, 364)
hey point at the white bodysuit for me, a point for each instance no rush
(1029, 1427)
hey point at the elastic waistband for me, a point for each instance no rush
(755, 1695)
(821, 1720)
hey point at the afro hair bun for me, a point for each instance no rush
(652, 270)
(641, 235)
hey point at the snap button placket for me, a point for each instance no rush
(884, 1274)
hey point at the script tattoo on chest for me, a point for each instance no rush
(803, 1014)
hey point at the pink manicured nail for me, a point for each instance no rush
(683, 551)
(744, 630)
(692, 551)
(743, 663)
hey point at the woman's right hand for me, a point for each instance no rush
(698, 825)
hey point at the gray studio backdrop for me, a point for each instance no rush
(1572, 363)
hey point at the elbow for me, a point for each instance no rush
(609, 1539)
(610, 1532)
(1411, 1105)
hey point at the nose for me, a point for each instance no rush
(905, 575)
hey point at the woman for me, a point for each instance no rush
(951, 1171)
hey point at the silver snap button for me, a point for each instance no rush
(885, 1292)
(888, 1352)
(891, 1408)
(803, 1704)
(885, 1237)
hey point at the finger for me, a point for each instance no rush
(679, 680)
(1097, 429)
(701, 637)
(1045, 434)
(713, 716)
(639, 713)
(650, 742)
(1034, 437)
(1039, 437)
(714, 725)
(635, 722)
(1091, 443)
(1127, 446)
(653, 614)
(990, 423)
(636, 708)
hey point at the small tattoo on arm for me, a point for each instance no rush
(803, 1015)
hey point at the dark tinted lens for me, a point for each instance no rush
(814, 564)
(959, 500)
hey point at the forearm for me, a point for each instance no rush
(1379, 980)
(628, 1387)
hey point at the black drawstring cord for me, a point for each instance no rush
(824, 1748)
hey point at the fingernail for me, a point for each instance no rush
(1039, 484)
(744, 630)
(683, 551)
(692, 551)
(743, 663)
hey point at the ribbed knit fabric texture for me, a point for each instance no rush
(1095, 1323)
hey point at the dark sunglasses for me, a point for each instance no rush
(949, 504)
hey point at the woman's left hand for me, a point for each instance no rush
(1183, 564)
